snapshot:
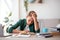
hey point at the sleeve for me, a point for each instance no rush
(10, 30)
(38, 31)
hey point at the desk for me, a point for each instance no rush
(55, 33)
(33, 37)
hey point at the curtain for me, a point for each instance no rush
(5, 9)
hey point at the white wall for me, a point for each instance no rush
(22, 10)
(15, 10)
(49, 9)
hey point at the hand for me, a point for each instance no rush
(34, 17)
(24, 32)
(27, 31)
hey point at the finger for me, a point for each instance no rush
(27, 31)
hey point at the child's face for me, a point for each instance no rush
(29, 20)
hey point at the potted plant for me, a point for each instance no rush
(26, 4)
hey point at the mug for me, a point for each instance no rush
(44, 30)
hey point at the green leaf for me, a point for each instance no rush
(6, 19)
(10, 14)
(26, 4)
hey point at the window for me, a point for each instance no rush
(6, 7)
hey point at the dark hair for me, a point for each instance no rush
(31, 12)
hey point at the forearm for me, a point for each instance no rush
(36, 24)
(16, 31)
(19, 31)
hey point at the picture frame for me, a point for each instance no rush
(34, 1)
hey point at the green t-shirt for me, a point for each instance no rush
(22, 24)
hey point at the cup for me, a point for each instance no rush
(44, 30)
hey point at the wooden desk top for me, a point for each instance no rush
(55, 33)
(33, 37)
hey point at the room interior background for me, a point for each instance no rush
(48, 11)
